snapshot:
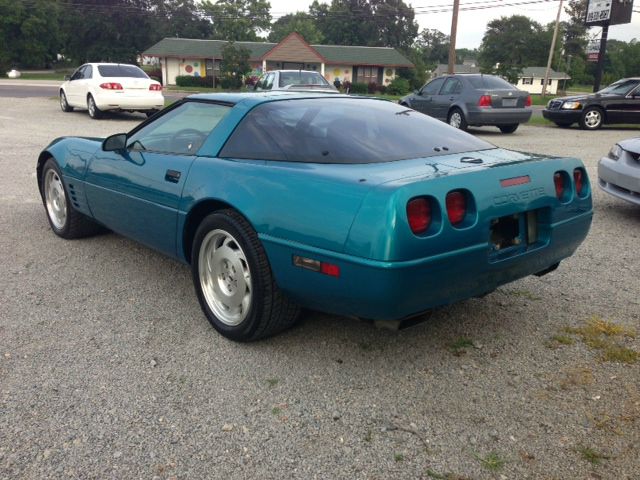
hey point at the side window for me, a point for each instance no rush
(182, 130)
(452, 86)
(433, 87)
(268, 82)
(77, 75)
(88, 72)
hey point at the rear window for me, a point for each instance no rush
(343, 130)
(490, 82)
(121, 71)
(301, 78)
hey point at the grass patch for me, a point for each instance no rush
(398, 457)
(276, 410)
(540, 122)
(540, 100)
(492, 461)
(563, 339)
(603, 335)
(591, 455)
(459, 347)
(444, 476)
(42, 76)
(272, 382)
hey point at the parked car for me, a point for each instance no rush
(618, 103)
(350, 205)
(101, 87)
(306, 80)
(464, 100)
(619, 171)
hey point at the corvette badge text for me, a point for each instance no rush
(517, 197)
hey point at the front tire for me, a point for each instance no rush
(64, 104)
(456, 119)
(94, 111)
(233, 280)
(591, 119)
(508, 128)
(64, 220)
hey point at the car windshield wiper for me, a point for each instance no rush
(405, 112)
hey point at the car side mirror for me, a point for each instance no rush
(115, 143)
(67, 78)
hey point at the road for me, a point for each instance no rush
(108, 369)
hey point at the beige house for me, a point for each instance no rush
(182, 56)
(532, 79)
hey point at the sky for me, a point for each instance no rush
(472, 24)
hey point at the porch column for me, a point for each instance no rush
(264, 65)
(165, 74)
(322, 69)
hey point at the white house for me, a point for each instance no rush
(532, 79)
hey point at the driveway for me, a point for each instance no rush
(108, 369)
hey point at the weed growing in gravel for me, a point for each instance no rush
(460, 345)
(398, 457)
(492, 461)
(368, 437)
(591, 455)
(522, 293)
(445, 476)
(604, 335)
(576, 377)
(276, 411)
(272, 382)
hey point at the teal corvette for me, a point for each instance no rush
(348, 205)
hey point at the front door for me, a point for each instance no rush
(423, 100)
(78, 86)
(448, 95)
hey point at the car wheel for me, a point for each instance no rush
(508, 128)
(456, 119)
(94, 111)
(64, 220)
(591, 118)
(234, 282)
(563, 124)
(64, 105)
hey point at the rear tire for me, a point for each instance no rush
(456, 119)
(64, 220)
(592, 118)
(94, 111)
(233, 280)
(508, 128)
(64, 105)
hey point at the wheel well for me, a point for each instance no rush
(194, 217)
(452, 108)
(42, 159)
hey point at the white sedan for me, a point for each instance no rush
(100, 87)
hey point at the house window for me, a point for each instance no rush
(527, 81)
(542, 81)
(367, 75)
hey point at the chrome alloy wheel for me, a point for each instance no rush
(455, 120)
(593, 118)
(63, 102)
(225, 278)
(91, 106)
(55, 199)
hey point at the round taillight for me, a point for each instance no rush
(578, 180)
(419, 215)
(456, 206)
(558, 181)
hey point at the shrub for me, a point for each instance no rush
(189, 81)
(372, 87)
(398, 86)
(155, 74)
(382, 89)
(251, 80)
(346, 86)
(231, 83)
(359, 88)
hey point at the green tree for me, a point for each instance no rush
(299, 22)
(395, 24)
(235, 65)
(575, 31)
(238, 20)
(181, 18)
(434, 46)
(415, 76)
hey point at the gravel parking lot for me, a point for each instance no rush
(108, 368)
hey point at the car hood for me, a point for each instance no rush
(582, 98)
(631, 145)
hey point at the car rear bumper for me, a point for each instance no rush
(562, 116)
(114, 100)
(620, 179)
(499, 116)
(396, 290)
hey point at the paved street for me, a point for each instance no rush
(108, 368)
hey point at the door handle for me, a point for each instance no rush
(452, 98)
(172, 176)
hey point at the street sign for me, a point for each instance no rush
(593, 50)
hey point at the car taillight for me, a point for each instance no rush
(558, 180)
(419, 215)
(456, 206)
(111, 86)
(156, 87)
(578, 179)
(527, 102)
(485, 101)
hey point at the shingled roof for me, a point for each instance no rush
(339, 54)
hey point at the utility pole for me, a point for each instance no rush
(452, 37)
(553, 47)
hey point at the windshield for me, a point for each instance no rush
(343, 130)
(622, 87)
(302, 78)
(121, 71)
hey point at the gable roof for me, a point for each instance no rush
(338, 54)
(539, 72)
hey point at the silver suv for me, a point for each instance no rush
(293, 80)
